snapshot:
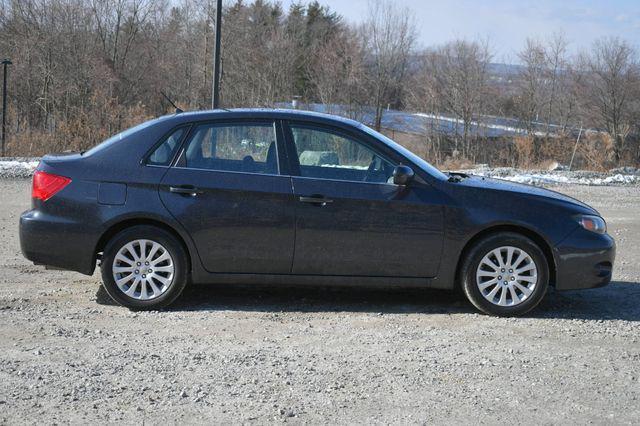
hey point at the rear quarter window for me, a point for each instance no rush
(164, 153)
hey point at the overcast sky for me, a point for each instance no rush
(507, 24)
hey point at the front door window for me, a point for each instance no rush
(328, 155)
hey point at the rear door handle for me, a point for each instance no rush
(316, 199)
(185, 190)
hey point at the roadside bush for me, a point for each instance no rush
(596, 152)
(79, 130)
(525, 150)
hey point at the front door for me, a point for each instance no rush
(227, 191)
(350, 217)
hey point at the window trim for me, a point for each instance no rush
(180, 160)
(144, 161)
(228, 171)
(346, 180)
(294, 159)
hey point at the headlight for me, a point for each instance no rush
(593, 223)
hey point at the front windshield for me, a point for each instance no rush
(410, 155)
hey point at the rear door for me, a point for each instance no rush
(227, 190)
(350, 217)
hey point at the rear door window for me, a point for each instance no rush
(237, 147)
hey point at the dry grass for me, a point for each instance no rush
(451, 163)
(79, 130)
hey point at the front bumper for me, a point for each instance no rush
(584, 260)
(56, 242)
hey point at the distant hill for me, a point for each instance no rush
(505, 70)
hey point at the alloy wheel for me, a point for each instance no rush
(143, 269)
(507, 276)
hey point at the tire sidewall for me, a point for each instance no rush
(475, 255)
(162, 237)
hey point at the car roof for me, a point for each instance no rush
(260, 113)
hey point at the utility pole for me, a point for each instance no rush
(575, 147)
(215, 96)
(5, 64)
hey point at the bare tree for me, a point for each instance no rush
(118, 22)
(389, 35)
(258, 56)
(424, 97)
(533, 84)
(610, 85)
(560, 105)
(459, 79)
(337, 73)
(544, 92)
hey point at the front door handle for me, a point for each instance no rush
(318, 200)
(185, 190)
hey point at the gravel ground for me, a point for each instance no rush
(317, 355)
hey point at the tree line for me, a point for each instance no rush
(85, 69)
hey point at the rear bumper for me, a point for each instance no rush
(56, 242)
(584, 260)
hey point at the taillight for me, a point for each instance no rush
(46, 185)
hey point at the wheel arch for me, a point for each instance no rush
(518, 229)
(119, 226)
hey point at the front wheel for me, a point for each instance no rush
(144, 268)
(505, 274)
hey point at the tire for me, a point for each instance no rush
(523, 288)
(154, 289)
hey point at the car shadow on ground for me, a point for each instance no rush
(618, 301)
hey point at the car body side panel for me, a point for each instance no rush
(472, 209)
(64, 231)
(368, 229)
(329, 280)
(241, 222)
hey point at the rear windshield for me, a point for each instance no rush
(117, 138)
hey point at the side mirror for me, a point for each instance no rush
(402, 175)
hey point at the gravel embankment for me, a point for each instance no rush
(317, 355)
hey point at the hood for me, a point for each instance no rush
(526, 191)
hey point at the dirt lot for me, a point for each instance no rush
(315, 355)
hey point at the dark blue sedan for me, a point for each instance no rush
(277, 196)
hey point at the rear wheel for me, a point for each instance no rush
(144, 268)
(505, 274)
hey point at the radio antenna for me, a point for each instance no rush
(178, 110)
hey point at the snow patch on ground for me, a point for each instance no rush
(18, 167)
(478, 124)
(559, 177)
